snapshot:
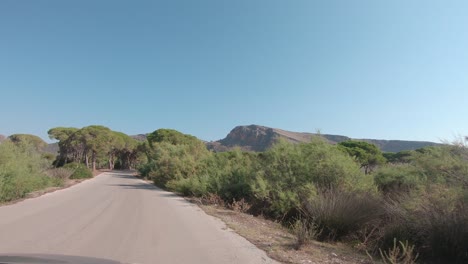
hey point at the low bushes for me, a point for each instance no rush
(438, 227)
(79, 171)
(443, 234)
(305, 231)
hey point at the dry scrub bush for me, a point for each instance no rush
(400, 253)
(239, 206)
(59, 173)
(304, 232)
(339, 213)
(212, 199)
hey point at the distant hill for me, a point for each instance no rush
(260, 138)
(140, 137)
(52, 148)
(2, 137)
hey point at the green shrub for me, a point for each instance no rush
(232, 174)
(168, 162)
(293, 170)
(443, 164)
(145, 169)
(402, 177)
(79, 171)
(21, 171)
(399, 157)
(193, 186)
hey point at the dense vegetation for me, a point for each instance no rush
(23, 168)
(347, 192)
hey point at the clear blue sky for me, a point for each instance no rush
(365, 69)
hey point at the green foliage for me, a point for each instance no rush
(61, 133)
(21, 171)
(232, 174)
(171, 136)
(293, 172)
(368, 155)
(171, 162)
(443, 164)
(399, 157)
(446, 165)
(173, 156)
(194, 186)
(79, 171)
(98, 140)
(402, 177)
(124, 151)
(99, 146)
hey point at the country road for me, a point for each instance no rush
(117, 216)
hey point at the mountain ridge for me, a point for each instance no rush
(260, 138)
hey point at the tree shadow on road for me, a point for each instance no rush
(144, 186)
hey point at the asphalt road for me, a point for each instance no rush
(117, 216)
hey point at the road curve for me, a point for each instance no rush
(117, 216)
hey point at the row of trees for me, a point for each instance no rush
(97, 145)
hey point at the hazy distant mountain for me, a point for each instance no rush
(52, 148)
(140, 137)
(2, 137)
(260, 138)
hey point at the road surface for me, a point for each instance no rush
(117, 216)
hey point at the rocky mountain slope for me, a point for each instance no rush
(260, 138)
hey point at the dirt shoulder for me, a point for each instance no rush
(279, 243)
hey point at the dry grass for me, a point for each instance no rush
(337, 213)
(280, 244)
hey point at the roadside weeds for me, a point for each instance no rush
(279, 243)
(67, 184)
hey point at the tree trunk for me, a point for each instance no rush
(111, 162)
(94, 160)
(87, 160)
